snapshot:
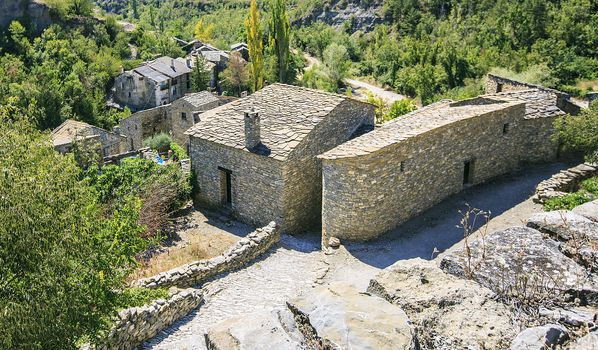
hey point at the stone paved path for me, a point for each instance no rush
(297, 264)
(265, 284)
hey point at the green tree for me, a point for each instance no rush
(200, 76)
(61, 260)
(81, 7)
(256, 47)
(135, 8)
(580, 133)
(336, 61)
(280, 29)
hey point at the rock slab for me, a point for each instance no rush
(448, 312)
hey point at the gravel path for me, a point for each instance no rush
(297, 264)
(387, 95)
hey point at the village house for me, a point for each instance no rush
(70, 131)
(242, 49)
(172, 119)
(257, 155)
(153, 84)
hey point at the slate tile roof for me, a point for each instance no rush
(70, 129)
(539, 103)
(288, 113)
(416, 123)
(198, 99)
(170, 67)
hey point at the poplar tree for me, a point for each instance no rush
(279, 37)
(256, 47)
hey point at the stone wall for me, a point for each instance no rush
(179, 124)
(563, 182)
(144, 124)
(365, 196)
(495, 84)
(302, 195)
(256, 181)
(242, 252)
(138, 324)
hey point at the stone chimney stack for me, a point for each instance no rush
(172, 64)
(252, 128)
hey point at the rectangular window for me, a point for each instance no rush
(188, 85)
(468, 172)
(499, 87)
(505, 128)
(196, 118)
(174, 82)
(402, 166)
(184, 115)
(226, 192)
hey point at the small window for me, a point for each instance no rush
(499, 87)
(184, 115)
(195, 118)
(505, 128)
(174, 82)
(129, 94)
(402, 166)
(140, 78)
(188, 85)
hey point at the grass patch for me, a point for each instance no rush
(588, 191)
(199, 247)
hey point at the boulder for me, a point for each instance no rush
(448, 312)
(588, 210)
(540, 338)
(579, 234)
(576, 317)
(506, 260)
(273, 329)
(587, 342)
(342, 317)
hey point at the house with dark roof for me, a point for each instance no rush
(257, 156)
(153, 84)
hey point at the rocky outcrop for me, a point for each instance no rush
(563, 182)
(358, 14)
(138, 324)
(242, 252)
(541, 337)
(448, 312)
(345, 318)
(587, 342)
(588, 210)
(34, 13)
(519, 262)
(274, 329)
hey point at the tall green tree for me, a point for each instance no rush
(580, 133)
(256, 47)
(280, 30)
(200, 76)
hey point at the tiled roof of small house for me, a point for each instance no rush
(198, 99)
(171, 67)
(288, 113)
(539, 103)
(66, 132)
(416, 123)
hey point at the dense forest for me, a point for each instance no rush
(427, 48)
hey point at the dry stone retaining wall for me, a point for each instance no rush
(238, 255)
(563, 182)
(135, 325)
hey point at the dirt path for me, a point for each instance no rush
(297, 264)
(362, 86)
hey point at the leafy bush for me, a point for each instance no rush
(588, 191)
(160, 142)
(61, 256)
(580, 133)
(399, 108)
(179, 152)
(135, 297)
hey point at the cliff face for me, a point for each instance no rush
(362, 15)
(34, 12)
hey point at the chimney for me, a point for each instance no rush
(172, 63)
(189, 64)
(252, 129)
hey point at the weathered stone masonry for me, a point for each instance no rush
(280, 178)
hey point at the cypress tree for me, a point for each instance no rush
(279, 37)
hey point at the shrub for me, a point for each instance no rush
(580, 133)
(179, 152)
(399, 108)
(588, 191)
(135, 297)
(160, 142)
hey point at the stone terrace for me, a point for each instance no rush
(287, 113)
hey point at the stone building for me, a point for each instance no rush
(172, 119)
(107, 143)
(257, 155)
(153, 84)
(390, 175)
(184, 113)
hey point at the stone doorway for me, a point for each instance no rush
(468, 166)
(226, 191)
